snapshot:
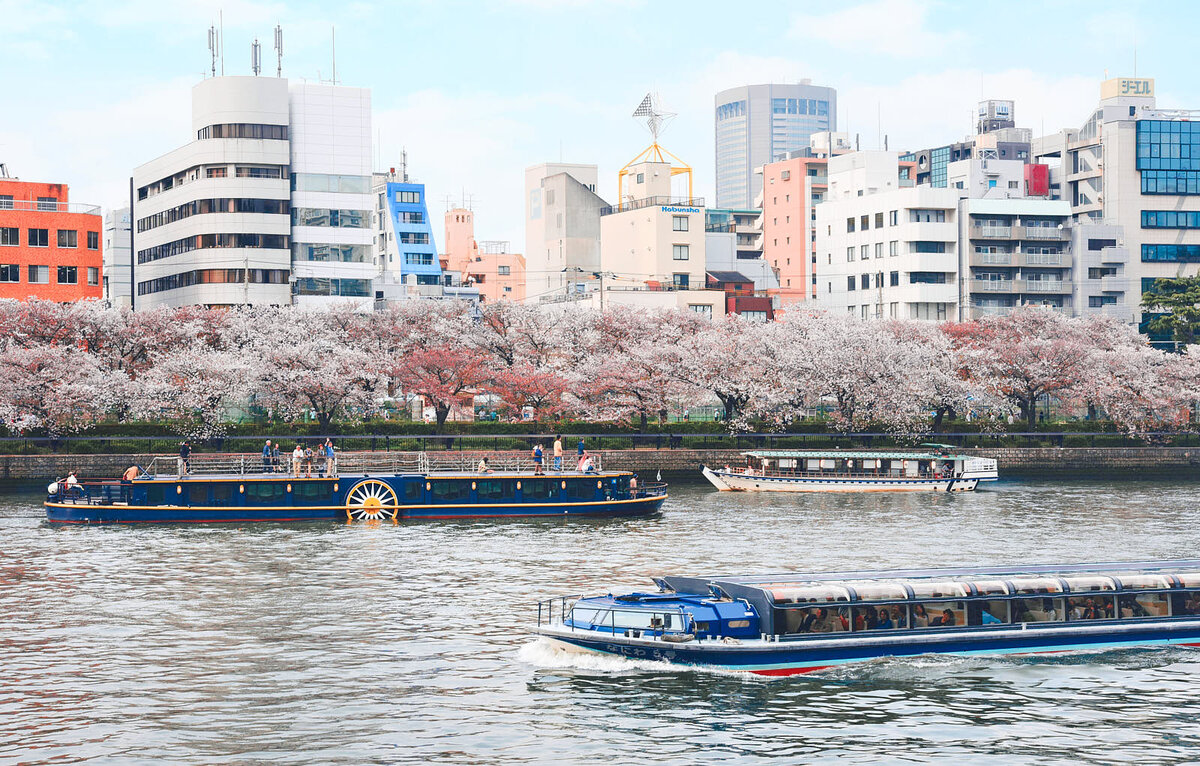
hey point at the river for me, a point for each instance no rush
(330, 643)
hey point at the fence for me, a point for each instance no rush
(467, 443)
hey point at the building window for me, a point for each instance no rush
(68, 275)
(926, 216)
(878, 249)
(641, 178)
(850, 254)
(39, 238)
(410, 216)
(93, 275)
(929, 247)
(894, 279)
(1012, 184)
(10, 235)
(39, 275)
(679, 223)
(93, 240)
(701, 308)
(864, 252)
(47, 203)
(680, 281)
(218, 172)
(413, 238)
(68, 238)
(879, 220)
(785, 175)
(347, 288)
(865, 281)
(418, 259)
(894, 247)
(10, 272)
(243, 130)
(6, 202)
(1171, 253)
(408, 197)
(275, 171)
(1170, 219)
(927, 278)
(850, 224)
(320, 216)
(893, 217)
(1096, 301)
(504, 271)
(864, 222)
(850, 283)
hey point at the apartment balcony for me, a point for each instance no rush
(993, 259)
(979, 312)
(991, 232)
(1114, 284)
(1044, 259)
(1052, 233)
(1045, 286)
(1007, 286)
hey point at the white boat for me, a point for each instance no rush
(853, 471)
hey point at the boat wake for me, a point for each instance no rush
(546, 654)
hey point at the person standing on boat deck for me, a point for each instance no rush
(579, 449)
(297, 459)
(330, 458)
(127, 478)
(185, 454)
(308, 458)
(266, 454)
(276, 459)
(558, 453)
(537, 459)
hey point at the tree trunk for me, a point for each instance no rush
(442, 411)
(324, 418)
(729, 403)
(1030, 407)
(938, 415)
(645, 421)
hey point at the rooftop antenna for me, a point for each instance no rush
(213, 43)
(4, 171)
(333, 50)
(656, 117)
(278, 50)
(404, 164)
(255, 57)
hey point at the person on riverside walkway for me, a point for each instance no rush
(297, 459)
(131, 473)
(185, 454)
(266, 453)
(558, 453)
(330, 458)
(537, 459)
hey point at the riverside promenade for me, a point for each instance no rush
(1101, 462)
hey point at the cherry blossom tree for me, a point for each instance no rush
(193, 387)
(57, 389)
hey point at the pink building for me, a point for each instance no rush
(499, 274)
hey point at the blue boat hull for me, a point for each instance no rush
(69, 513)
(794, 657)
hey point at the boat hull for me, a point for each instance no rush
(69, 513)
(784, 658)
(737, 482)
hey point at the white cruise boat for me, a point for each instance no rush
(853, 471)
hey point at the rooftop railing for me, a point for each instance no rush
(638, 204)
(48, 207)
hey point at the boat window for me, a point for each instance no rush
(821, 619)
(1037, 610)
(414, 492)
(939, 614)
(581, 489)
(1142, 605)
(1036, 585)
(223, 493)
(1084, 583)
(265, 492)
(643, 618)
(886, 617)
(1189, 579)
(990, 587)
(879, 591)
(496, 489)
(928, 589)
(155, 494)
(586, 614)
(310, 492)
(449, 490)
(991, 612)
(1185, 603)
(799, 594)
(1144, 581)
(1089, 608)
(540, 489)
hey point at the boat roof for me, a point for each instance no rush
(522, 475)
(863, 454)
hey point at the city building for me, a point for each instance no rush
(117, 269)
(489, 264)
(562, 228)
(49, 246)
(996, 137)
(269, 203)
(741, 295)
(405, 246)
(1131, 175)
(755, 124)
(886, 248)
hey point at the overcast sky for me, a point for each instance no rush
(477, 91)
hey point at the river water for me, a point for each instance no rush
(328, 643)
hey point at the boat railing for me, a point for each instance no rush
(88, 492)
(656, 626)
(546, 608)
(856, 474)
(245, 463)
(521, 462)
(649, 489)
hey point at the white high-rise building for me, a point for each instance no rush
(116, 257)
(269, 203)
(562, 228)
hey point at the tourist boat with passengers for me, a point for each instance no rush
(937, 470)
(779, 625)
(361, 487)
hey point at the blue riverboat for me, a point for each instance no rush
(376, 487)
(779, 625)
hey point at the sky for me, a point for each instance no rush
(478, 91)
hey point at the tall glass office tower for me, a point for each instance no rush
(755, 124)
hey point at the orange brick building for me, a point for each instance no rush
(49, 247)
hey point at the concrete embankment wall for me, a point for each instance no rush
(1098, 462)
